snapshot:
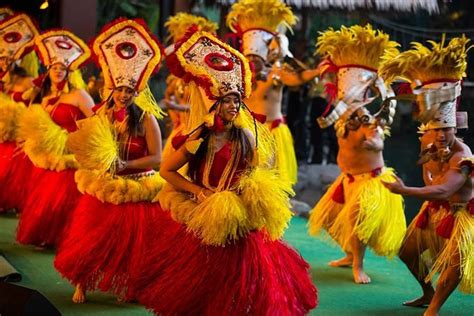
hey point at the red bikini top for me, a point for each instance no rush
(66, 115)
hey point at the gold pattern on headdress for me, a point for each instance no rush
(61, 46)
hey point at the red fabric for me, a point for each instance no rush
(66, 115)
(338, 195)
(445, 227)
(277, 122)
(120, 115)
(105, 244)
(179, 141)
(48, 207)
(262, 118)
(376, 172)
(135, 148)
(404, 88)
(18, 97)
(221, 159)
(253, 276)
(470, 207)
(422, 220)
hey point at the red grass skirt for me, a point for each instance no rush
(7, 149)
(254, 276)
(48, 207)
(16, 180)
(105, 244)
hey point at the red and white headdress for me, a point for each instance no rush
(17, 36)
(354, 54)
(61, 46)
(128, 54)
(435, 77)
(257, 22)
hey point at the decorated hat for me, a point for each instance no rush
(128, 54)
(435, 76)
(17, 36)
(62, 46)
(257, 22)
(214, 68)
(354, 54)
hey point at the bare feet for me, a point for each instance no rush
(422, 301)
(343, 262)
(79, 296)
(360, 277)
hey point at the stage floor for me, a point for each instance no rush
(338, 295)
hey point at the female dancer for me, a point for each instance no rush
(19, 38)
(216, 248)
(56, 104)
(118, 149)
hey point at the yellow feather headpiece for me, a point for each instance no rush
(260, 14)
(178, 24)
(355, 45)
(425, 64)
(257, 22)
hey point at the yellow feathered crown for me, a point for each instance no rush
(260, 14)
(178, 24)
(355, 45)
(425, 64)
(257, 22)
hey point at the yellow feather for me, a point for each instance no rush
(179, 23)
(94, 144)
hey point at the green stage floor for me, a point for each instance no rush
(338, 295)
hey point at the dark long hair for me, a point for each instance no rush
(237, 137)
(134, 118)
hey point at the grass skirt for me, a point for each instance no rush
(252, 276)
(369, 210)
(286, 157)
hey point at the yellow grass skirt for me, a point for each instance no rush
(370, 211)
(286, 157)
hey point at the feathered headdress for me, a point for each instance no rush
(435, 77)
(178, 24)
(354, 54)
(257, 22)
(129, 54)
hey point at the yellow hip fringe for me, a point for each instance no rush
(261, 202)
(285, 152)
(44, 142)
(10, 114)
(458, 250)
(117, 189)
(371, 212)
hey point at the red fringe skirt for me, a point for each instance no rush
(48, 207)
(253, 276)
(15, 178)
(105, 245)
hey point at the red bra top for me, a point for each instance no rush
(221, 159)
(135, 148)
(66, 115)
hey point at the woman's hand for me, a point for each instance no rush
(203, 194)
(120, 165)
